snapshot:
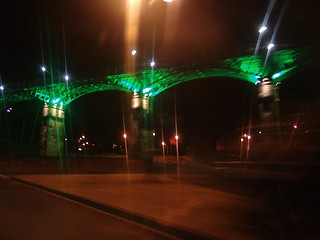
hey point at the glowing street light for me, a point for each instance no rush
(43, 69)
(262, 29)
(271, 45)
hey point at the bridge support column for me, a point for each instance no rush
(52, 131)
(269, 100)
(140, 140)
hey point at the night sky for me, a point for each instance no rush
(88, 37)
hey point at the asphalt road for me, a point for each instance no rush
(221, 201)
(27, 213)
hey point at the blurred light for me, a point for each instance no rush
(271, 45)
(66, 77)
(163, 143)
(262, 29)
(242, 139)
(152, 64)
(1, 88)
(176, 137)
(295, 126)
(260, 132)
(79, 149)
(83, 136)
(43, 69)
(125, 135)
(146, 90)
(249, 137)
(133, 52)
(167, 1)
(276, 75)
(153, 134)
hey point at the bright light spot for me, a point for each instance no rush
(167, 1)
(153, 134)
(133, 52)
(260, 132)
(271, 45)
(54, 101)
(249, 137)
(295, 126)
(66, 77)
(83, 136)
(79, 149)
(1, 88)
(276, 75)
(242, 139)
(124, 135)
(176, 137)
(257, 82)
(43, 69)
(163, 143)
(262, 29)
(152, 64)
(66, 139)
(146, 90)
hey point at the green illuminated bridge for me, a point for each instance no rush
(147, 84)
(280, 66)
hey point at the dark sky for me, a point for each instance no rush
(88, 36)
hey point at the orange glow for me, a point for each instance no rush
(131, 29)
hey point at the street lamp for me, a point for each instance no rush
(262, 29)
(271, 45)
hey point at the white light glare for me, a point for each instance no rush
(167, 1)
(152, 64)
(262, 29)
(43, 69)
(66, 77)
(271, 45)
(133, 52)
(1, 88)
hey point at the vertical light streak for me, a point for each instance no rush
(265, 23)
(131, 30)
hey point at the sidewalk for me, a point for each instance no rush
(200, 210)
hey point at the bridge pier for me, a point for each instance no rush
(140, 129)
(52, 131)
(269, 100)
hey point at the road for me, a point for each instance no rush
(28, 213)
(217, 202)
